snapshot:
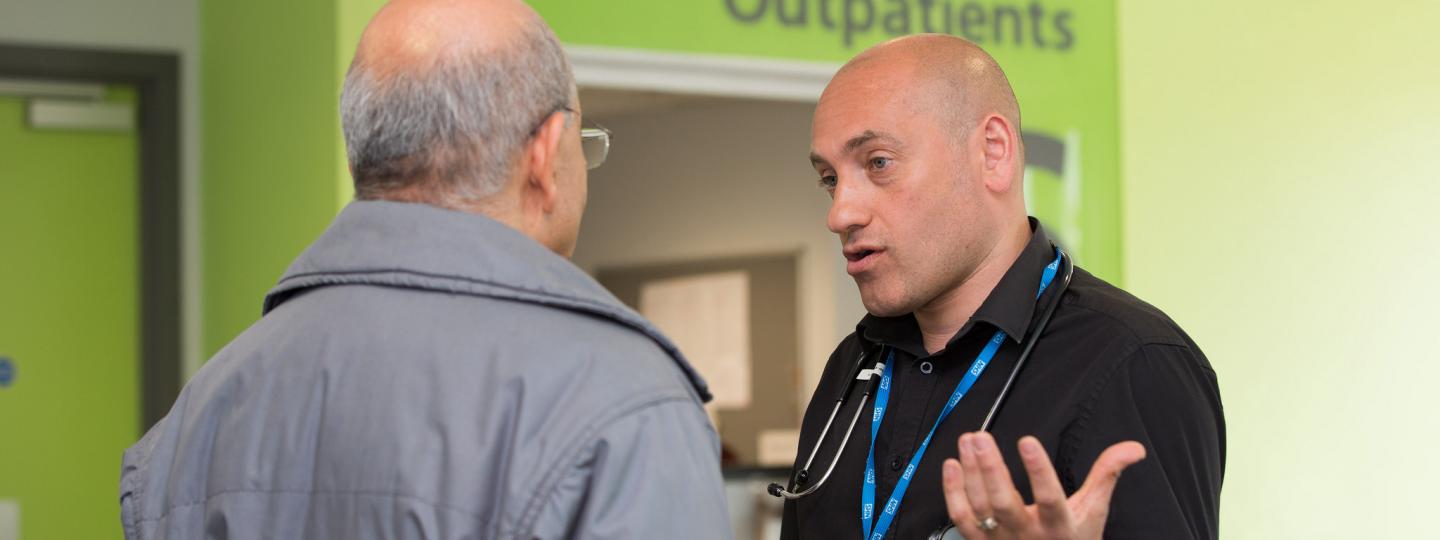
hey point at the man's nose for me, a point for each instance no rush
(848, 210)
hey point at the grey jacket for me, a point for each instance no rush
(421, 373)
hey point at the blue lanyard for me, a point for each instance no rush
(882, 398)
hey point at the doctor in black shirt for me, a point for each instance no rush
(917, 141)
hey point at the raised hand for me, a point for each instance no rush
(984, 504)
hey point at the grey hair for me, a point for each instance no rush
(456, 129)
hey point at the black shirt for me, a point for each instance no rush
(1108, 368)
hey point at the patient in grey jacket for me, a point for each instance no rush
(433, 366)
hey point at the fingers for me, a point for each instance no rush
(1000, 491)
(956, 503)
(1044, 485)
(975, 489)
(1100, 484)
(979, 486)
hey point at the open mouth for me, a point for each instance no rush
(860, 260)
(858, 256)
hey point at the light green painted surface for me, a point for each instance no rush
(268, 74)
(275, 167)
(1065, 78)
(69, 319)
(1280, 186)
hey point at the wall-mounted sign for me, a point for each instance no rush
(9, 519)
(1021, 24)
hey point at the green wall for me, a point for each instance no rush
(270, 123)
(274, 170)
(69, 320)
(1280, 181)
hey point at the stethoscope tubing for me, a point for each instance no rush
(776, 489)
(1029, 345)
(803, 475)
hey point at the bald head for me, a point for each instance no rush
(442, 94)
(944, 73)
(917, 141)
(412, 36)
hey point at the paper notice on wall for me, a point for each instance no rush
(708, 318)
(777, 447)
(9, 519)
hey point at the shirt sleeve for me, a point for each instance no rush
(652, 473)
(1167, 398)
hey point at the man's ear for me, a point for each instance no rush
(1000, 145)
(542, 155)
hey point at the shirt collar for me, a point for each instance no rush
(1008, 307)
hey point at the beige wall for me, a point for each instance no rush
(713, 178)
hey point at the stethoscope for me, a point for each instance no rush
(870, 377)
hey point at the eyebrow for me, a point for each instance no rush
(856, 142)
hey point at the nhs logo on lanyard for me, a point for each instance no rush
(879, 412)
(909, 471)
(867, 511)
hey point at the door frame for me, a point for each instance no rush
(702, 74)
(156, 78)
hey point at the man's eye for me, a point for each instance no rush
(879, 162)
(827, 181)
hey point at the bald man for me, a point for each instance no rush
(434, 366)
(917, 142)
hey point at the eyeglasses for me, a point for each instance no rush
(594, 138)
(594, 142)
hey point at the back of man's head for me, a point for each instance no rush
(443, 95)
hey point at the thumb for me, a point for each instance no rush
(1100, 484)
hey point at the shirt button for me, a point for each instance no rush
(895, 464)
(926, 367)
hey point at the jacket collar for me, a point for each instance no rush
(420, 246)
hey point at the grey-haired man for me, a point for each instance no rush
(434, 366)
